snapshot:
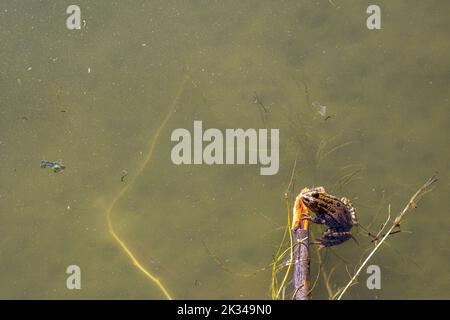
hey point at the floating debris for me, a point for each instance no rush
(262, 108)
(55, 166)
(321, 109)
(124, 175)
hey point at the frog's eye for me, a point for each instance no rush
(315, 195)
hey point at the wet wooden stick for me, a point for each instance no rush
(300, 235)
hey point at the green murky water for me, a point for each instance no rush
(93, 99)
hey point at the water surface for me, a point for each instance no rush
(93, 99)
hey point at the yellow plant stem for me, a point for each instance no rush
(127, 186)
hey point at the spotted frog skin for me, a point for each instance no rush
(337, 214)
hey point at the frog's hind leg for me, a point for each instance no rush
(351, 210)
(331, 238)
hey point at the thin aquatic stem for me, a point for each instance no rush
(278, 254)
(325, 275)
(291, 250)
(127, 186)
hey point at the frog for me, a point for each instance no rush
(338, 215)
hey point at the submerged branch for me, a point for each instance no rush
(300, 235)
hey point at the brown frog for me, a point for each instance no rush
(337, 214)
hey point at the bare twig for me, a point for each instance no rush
(412, 204)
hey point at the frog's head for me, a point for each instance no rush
(311, 197)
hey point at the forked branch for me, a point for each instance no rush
(412, 204)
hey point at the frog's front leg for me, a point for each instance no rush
(315, 220)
